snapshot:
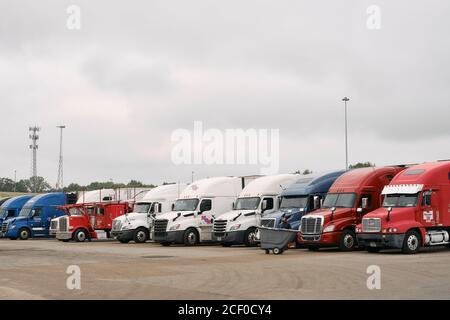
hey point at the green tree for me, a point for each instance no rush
(361, 165)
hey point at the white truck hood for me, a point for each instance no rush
(230, 215)
(173, 214)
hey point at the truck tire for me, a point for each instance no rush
(411, 243)
(140, 235)
(348, 241)
(191, 237)
(24, 234)
(80, 236)
(250, 237)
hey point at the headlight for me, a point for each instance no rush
(330, 228)
(125, 227)
(235, 227)
(390, 230)
(175, 227)
(13, 226)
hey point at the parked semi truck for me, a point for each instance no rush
(35, 216)
(85, 221)
(137, 225)
(258, 198)
(415, 211)
(11, 208)
(352, 195)
(304, 196)
(191, 220)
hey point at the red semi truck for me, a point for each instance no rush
(83, 221)
(352, 195)
(415, 211)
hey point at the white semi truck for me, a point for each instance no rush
(137, 225)
(191, 220)
(260, 197)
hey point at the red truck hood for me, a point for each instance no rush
(326, 214)
(396, 213)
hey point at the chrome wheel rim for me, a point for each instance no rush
(349, 241)
(413, 242)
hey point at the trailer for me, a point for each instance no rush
(352, 195)
(415, 212)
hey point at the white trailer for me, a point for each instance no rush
(191, 220)
(260, 197)
(137, 225)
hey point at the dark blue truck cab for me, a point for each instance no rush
(11, 208)
(301, 198)
(35, 216)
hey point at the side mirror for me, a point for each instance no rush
(264, 206)
(365, 203)
(316, 202)
(359, 210)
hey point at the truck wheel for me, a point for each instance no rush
(373, 250)
(80, 236)
(411, 244)
(277, 251)
(348, 241)
(190, 237)
(313, 248)
(123, 241)
(140, 235)
(250, 237)
(166, 244)
(24, 234)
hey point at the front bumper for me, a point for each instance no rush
(126, 235)
(64, 235)
(322, 239)
(378, 240)
(235, 237)
(170, 236)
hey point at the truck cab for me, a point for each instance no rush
(137, 225)
(191, 220)
(303, 197)
(35, 216)
(415, 211)
(84, 221)
(352, 195)
(258, 199)
(11, 208)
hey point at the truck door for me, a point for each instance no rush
(36, 222)
(430, 214)
(205, 219)
(99, 220)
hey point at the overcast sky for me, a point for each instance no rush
(138, 70)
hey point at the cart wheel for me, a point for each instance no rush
(277, 251)
(267, 251)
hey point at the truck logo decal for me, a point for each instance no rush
(428, 216)
(205, 220)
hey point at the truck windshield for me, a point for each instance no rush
(400, 200)
(340, 200)
(247, 203)
(294, 202)
(185, 205)
(25, 212)
(142, 207)
(75, 212)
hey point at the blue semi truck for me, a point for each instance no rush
(11, 208)
(299, 199)
(35, 216)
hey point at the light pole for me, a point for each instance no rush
(60, 183)
(15, 180)
(345, 99)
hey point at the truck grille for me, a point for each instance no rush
(5, 226)
(161, 226)
(63, 225)
(268, 223)
(311, 225)
(219, 227)
(371, 225)
(116, 225)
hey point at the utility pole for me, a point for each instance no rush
(34, 146)
(15, 180)
(60, 181)
(345, 99)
